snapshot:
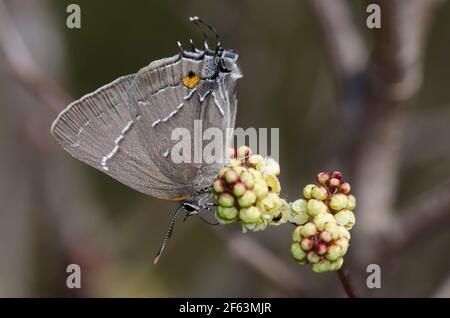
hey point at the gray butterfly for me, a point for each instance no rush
(124, 128)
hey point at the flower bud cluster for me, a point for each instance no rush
(247, 190)
(323, 217)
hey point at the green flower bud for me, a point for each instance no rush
(260, 189)
(239, 189)
(351, 202)
(218, 186)
(269, 166)
(333, 229)
(345, 218)
(256, 174)
(325, 236)
(296, 235)
(253, 160)
(231, 176)
(299, 206)
(312, 257)
(333, 252)
(307, 244)
(297, 253)
(337, 264)
(226, 200)
(307, 191)
(343, 243)
(223, 171)
(248, 199)
(273, 183)
(234, 163)
(309, 229)
(338, 201)
(343, 232)
(244, 152)
(322, 178)
(227, 213)
(249, 215)
(319, 193)
(323, 218)
(333, 183)
(271, 201)
(300, 217)
(315, 207)
(345, 188)
(248, 179)
(239, 169)
(321, 267)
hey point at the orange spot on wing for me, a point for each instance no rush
(191, 80)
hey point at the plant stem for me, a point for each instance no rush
(346, 282)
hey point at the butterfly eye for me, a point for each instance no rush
(191, 80)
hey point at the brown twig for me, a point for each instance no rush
(346, 282)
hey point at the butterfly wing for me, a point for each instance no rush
(167, 105)
(99, 129)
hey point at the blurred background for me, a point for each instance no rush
(373, 103)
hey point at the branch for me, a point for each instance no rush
(428, 214)
(264, 262)
(346, 282)
(24, 68)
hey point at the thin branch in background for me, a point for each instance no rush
(264, 262)
(24, 68)
(427, 214)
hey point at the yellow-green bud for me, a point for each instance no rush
(337, 264)
(223, 171)
(234, 163)
(345, 187)
(273, 183)
(321, 267)
(312, 257)
(226, 200)
(323, 218)
(239, 189)
(218, 186)
(322, 178)
(248, 199)
(315, 207)
(297, 253)
(343, 243)
(345, 218)
(296, 235)
(307, 191)
(248, 179)
(333, 229)
(239, 169)
(260, 189)
(333, 252)
(338, 201)
(253, 160)
(351, 202)
(297, 212)
(231, 176)
(309, 229)
(306, 244)
(325, 236)
(227, 213)
(271, 201)
(319, 193)
(343, 232)
(249, 215)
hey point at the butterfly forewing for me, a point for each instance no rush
(100, 130)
